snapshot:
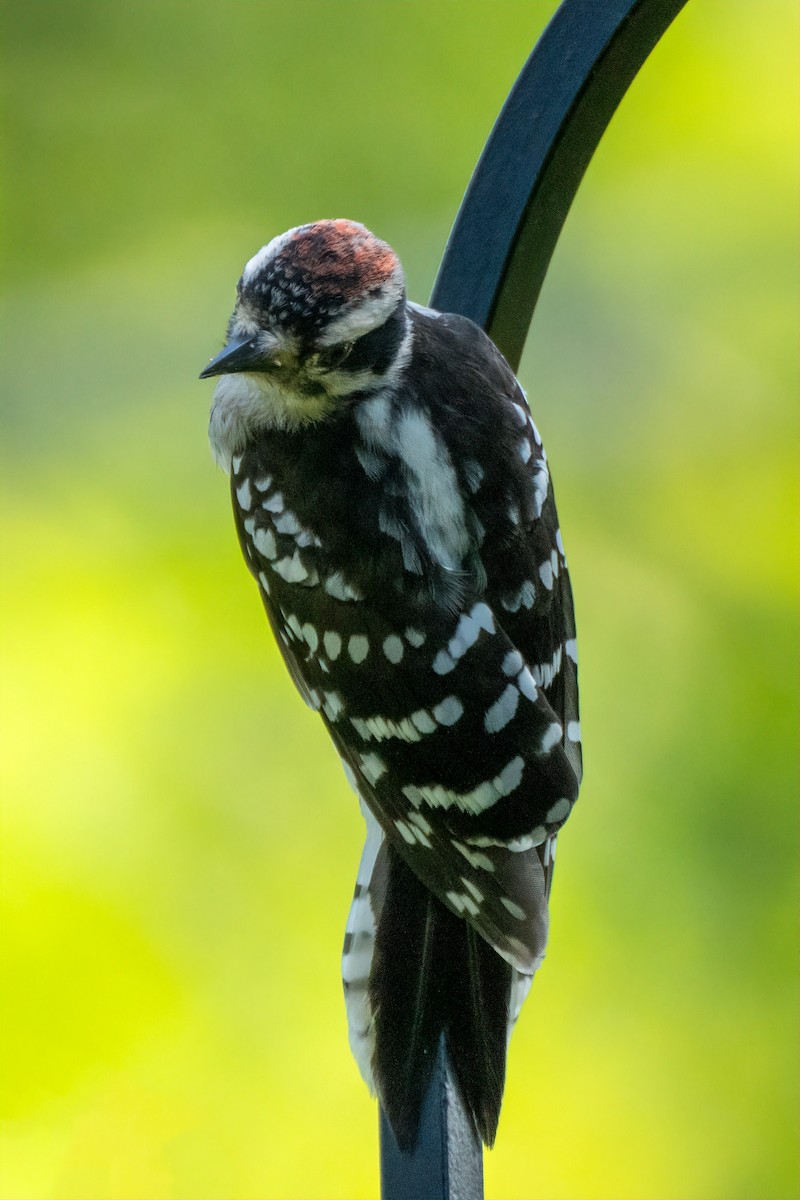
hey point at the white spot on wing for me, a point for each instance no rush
(287, 522)
(558, 812)
(502, 711)
(310, 636)
(515, 909)
(512, 663)
(332, 643)
(393, 648)
(373, 767)
(443, 663)
(545, 673)
(423, 721)
(449, 710)
(243, 495)
(523, 597)
(336, 586)
(473, 889)
(264, 542)
(379, 728)
(476, 858)
(332, 705)
(273, 503)
(511, 776)
(291, 569)
(551, 737)
(527, 684)
(468, 629)
(516, 845)
(413, 834)
(478, 800)
(541, 482)
(405, 832)
(463, 903)
(358, 647)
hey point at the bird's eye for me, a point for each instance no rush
(334, 356)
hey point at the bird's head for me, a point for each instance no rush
(320, 317)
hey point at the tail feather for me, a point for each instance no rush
(414, 973)
(477, 1038)
(432, 974)
(359, 942)
(407, 989)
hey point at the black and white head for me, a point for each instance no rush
(320, 320)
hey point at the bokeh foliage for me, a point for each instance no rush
(179, 845)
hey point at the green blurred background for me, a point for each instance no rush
(179, 844)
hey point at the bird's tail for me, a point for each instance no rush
(414, 973)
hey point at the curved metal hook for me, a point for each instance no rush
(506, 230)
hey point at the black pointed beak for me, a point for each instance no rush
(240, 354)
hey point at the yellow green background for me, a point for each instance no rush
(179, 843)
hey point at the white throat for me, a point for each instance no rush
(247, 402)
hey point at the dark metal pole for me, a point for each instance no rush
(493, 268)
(447, 1162)
(520, 193)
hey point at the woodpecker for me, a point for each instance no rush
(394, 504)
